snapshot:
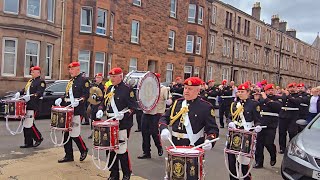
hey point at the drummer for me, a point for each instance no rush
(33, 91)
(177, 88)
(119, 103)
(77, 92)
(192, 119)
(251, 115)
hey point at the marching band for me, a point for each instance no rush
(183, 114)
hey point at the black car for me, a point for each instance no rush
(54, 90)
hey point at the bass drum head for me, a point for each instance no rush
(148, 91)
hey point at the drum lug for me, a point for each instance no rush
(166, 172)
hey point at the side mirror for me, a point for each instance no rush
(302, 122)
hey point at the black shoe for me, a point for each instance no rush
(222, 127)
(83, 156)
(65, 160)
(160, 151)
(144, 156)
(37, 143)
(85, 123)
(273, 162)
(138, 130)
(281, 152)
(258, 166)
(90, 137)
(126, 177)
(113, 178)
(26, 146)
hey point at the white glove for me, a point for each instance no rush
(26, 98)
(165, 134)
(75, 104)
(119, 116)
(257, 128)
(168, 102)
(232, 125)
(99, 114)
(58, 101)
(208, 146)
(17, 95)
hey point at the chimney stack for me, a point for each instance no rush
(275, 21)
(283, 26)
(292, 32)
(256, 10)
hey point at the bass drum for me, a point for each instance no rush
(146, 86)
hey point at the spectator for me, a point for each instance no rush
(314, 107)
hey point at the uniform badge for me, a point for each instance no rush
(280, 100)
(131, 94)
(206, 95)
(189, 83)
(87, 84)
(212, 113)
(258, 108)
(42, 84)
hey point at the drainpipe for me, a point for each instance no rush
(62, 39)
(208, 46)
(72, 31)
(280, 54)
(233, 44)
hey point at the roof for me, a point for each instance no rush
(316, 42)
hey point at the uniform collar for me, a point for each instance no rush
(244, 101)
(193, 100)
(115, 86)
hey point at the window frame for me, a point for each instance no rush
(198, 45)
(31, 15)
(50, 61)
(25, 56)
(53, 11)
(137, 35)
(169, 70)
(99, 62)
(105, 23)
(173, 14)
(15, 57)
(200, 15)
(212, 43)
(134, 2)
(171, 46)
(91, 19)
(133, 68)
(196, 72)
(112, 18)
(192, 43)
(214, 14)
(258, 32)
(186, 72)
(209, 73)
(10, 12)
(192, 19)
(85, 61)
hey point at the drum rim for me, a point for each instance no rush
(62, 109)
(102, 123)
(199, 153)
(146, 75)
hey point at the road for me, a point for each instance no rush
(152, 169)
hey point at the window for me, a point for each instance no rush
(135, 31)
(266, 57)
(58, 87)
(189, 44)
(171, 40)
(169, 72)
(102, 22)
(109, 62)
(51, 8)
(286, 63)
(200, 15)
(288, 45)
(209, 73)
(245, 52)
(268, 36)
(11, 6)
(278, 40)
(48, 65)
(228, 20)
(133, 64)
(9, 56)
(246, 27)
(187, 71)
(196, 72)
(239, 24)
(276, 60)
(99, 63)
(32, 56)
(237, 47)
(301, 50)
(256, 56)
(258, 33)
(212, 43)
(243, 76)
(137, 2)
(214, 14)
(225, 73)
(111, 25)
(86, 20)
(198, 45)
(84, 60)
(34, 8)
(192, 13)
(226, 47)
(255, 77)
(300, 66)
(173, 8)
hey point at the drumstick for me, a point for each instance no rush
(260, 126)
(210, 141)
(75, 100)
(174, 146)
(25, 96)
(128, 110)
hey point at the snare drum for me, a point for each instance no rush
(241, 142)
(61, 117)
(185, 163)
(15, 109)
(106, 135)
(147, 88)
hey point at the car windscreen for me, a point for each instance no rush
(57, 87)
(316, 123)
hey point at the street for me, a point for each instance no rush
(152, 169)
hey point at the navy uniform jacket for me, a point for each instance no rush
(251, 111)
(203, 94)
(213, 92)
(290, 101)
(201, 115)
(270, 105)
(177, 88)
(226, 91)
(124, 97)
(37, 88)
(80, 89)
(304, 105)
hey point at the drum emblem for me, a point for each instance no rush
(105, 137)
(11, 108)
(192, 171)
(61, 120)
(178, 169)
(54, 119)
(247, 143)
(236, 141)
(96, 136)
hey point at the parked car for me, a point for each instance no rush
(301, 159)
(54, 90)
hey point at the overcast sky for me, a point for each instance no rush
(302, 15)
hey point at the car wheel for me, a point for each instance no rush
(283, 176)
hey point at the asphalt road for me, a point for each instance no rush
(152, 169)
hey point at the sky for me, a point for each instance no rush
(301, 15)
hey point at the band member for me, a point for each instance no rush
(150, 121)
(177, 89)
(32, 92)
(203, 91)
(119, 103)
(212, 92)
(314, 107)
(77, 92)
(247, 116)
(94, 108)
(305, 101)
(225, 93)
(288, 115)
(192, 119)
(270, 107)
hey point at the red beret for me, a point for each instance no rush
(224, 82)
(178, 78)
(99, 75)
(115, 71)
(35, 68)
(264, 82)
(292, 85)
(243, 87)
(269, 86)
(248, 83)
(74, 64)
(300, 85)
(193, 81)
(158, 75)
(210, 81)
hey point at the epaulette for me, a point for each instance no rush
(180, 99)
(206, 102)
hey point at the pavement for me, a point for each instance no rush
(41, 162)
